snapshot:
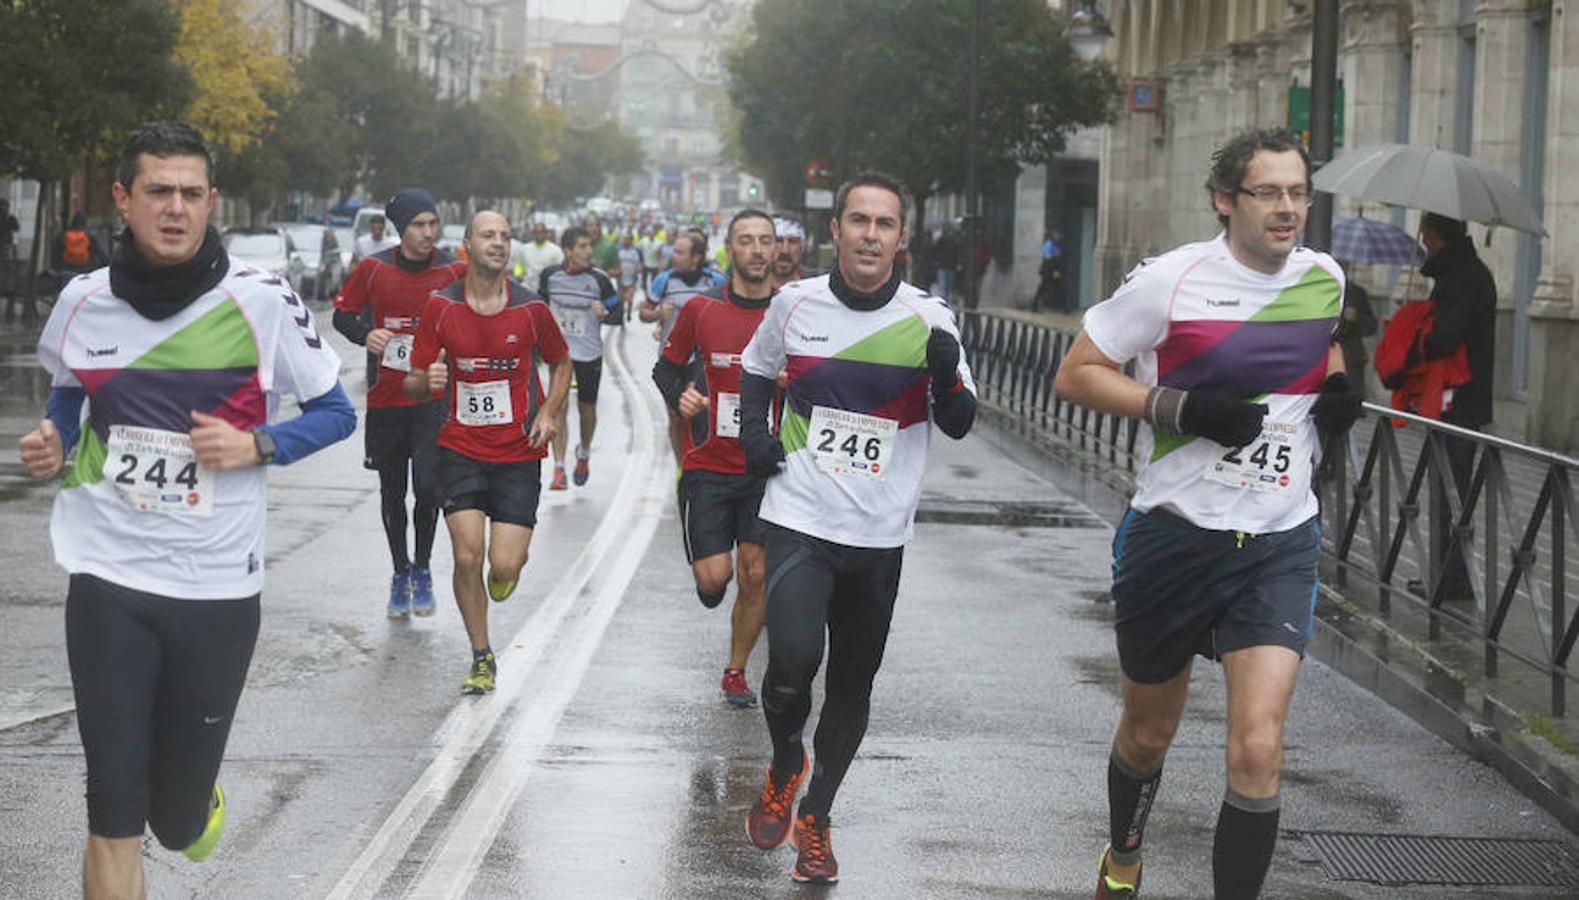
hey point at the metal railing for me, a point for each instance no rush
(1486, 566)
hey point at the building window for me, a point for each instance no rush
(1532, 177)
(1464, 102)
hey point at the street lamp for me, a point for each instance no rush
(1088, 30)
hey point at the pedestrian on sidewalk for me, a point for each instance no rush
(871, 362)
(165, 366)
(1235, 369)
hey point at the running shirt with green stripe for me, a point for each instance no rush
(857, 407)
(1195, 317)
(135, 508)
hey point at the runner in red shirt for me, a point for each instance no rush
(718, 500)
(400, 431)
(477, 337)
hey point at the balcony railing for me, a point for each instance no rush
(1484, 565)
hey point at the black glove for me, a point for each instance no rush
(1338, 405)
(1221, 417)
(763, 451)
(942, 359)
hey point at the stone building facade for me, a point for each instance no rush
(1497, 80)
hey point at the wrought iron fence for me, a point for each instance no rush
(1480, 554)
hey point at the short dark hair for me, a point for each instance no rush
(571, 235)
(1444, 227)
(1232, 160)
(163, 139)
(874, 178)
(747, 213)
(698, 240)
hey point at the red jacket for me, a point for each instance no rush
(1419, 385)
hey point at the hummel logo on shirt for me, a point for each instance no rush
(823, 338)
(107, 351)
(1234, 302)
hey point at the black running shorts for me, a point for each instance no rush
(505, 491)
(718, 511)
(1180, 590)
(396, 435)
(588, 376)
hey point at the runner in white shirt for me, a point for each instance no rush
(540, 253)
(871, 362)
(1235, 368)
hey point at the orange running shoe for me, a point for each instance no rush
(558, 484)
(815, 862)
(768, 823)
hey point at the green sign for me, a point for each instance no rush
(1299, 114)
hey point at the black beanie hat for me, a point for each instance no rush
(407, 205)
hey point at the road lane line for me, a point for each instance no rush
(469, 725)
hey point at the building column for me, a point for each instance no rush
(1371, 61)
(1554, 320)
(1434, 35)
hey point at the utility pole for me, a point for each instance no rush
(972, 140)
(1323, 103)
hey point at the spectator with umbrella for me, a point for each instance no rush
(1361, 241)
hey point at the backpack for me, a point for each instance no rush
(77, 250)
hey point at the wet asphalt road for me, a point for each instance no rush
(606, 766)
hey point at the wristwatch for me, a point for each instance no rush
(265, 444)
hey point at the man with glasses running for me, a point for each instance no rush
(1235, 369)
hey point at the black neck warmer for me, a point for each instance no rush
(690, 278)
(856, 300)
(747, 302)
(159, 292)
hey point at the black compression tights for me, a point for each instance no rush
(816, 587)
(392, 482)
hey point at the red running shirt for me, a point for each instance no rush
(717, 327)
(397, 294)
(494, 387)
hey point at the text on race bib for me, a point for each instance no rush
(728, 414)
(155, 471)
(483, 403)
(1263, 465)
(572, 322)
(851, 444)
(397, 353)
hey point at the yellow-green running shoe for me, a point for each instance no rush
(1110, 888)
(500, 591)
(200, 849)
(480, 681)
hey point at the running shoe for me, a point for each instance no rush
(558, 484)
(768, 823)
(400, 595)
(500, 591)
(422, 591)
(736, 690)
(580, 473)
(1110, 888)
(200, 849)
(815, 862)
(480, 681)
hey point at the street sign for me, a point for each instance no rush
(819, 198)
(818, 174)
(1299, 114)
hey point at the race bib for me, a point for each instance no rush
(155, 471)
(728, 418)
(483, 403)
(572, 322)
(1262, 465)
(851, 444)
(397, 353)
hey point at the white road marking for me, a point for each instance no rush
(625, 530)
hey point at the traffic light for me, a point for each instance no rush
(752, 190)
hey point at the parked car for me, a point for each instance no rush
(450, 237)
(346, 239)
(320, 253)
(269, 249)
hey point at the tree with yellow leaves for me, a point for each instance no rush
(239, 75)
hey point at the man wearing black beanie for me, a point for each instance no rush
(401, 433)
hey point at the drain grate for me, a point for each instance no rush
(1402, 859)
(1011, 513)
